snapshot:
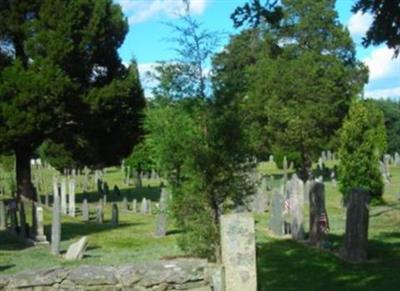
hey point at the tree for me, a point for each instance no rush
(384, 27)
(197, 141)
(61, 78)
(391, 113)
(303, 89)
(362, 142)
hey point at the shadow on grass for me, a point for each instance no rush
(9, 242)
(5, 267)
(287, 265)
(71, 230)
(387, 208)
(151, 192)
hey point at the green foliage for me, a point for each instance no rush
(300, 81)
(57, 156)
(391, 113)
(362, 142)
(384, 27)
(61, 78)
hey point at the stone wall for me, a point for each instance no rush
(179, 274)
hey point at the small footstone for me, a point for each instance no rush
(77, 250)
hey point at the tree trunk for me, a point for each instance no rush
(319, 222)
(23, 173)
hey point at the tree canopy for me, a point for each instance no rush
(61, 79)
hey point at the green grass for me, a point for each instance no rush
(282, 264)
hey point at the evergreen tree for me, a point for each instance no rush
(61, 78)
(362, 143)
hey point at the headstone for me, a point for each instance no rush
(64, 195)
(259, 203)
(85, 210)
(39, 238)
(72, 197)
(77, 250)
(100, 212)
(22, 220)
(99, 185)
(125, 204)
(238, 250)
(134, 206)
(114, 215)
(271, 158)
(104, 200)
(144, 206)
(296, 196)
(307, 189)
(56, 226)
(276, 219)
(319, 221)
(161, 221)
(357, 219)
(3, 224)
(149, 209)
(397, 159)
(285, 169)
(12, 211)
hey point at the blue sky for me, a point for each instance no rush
(147, 36)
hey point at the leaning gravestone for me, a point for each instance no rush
(2, 215)
(276, 219)
(357, 218)
(319, 222)
(56, 225)
(85, 210)
(238, 250)
(114, 215)
(77, 250)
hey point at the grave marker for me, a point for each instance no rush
(56, 225)
(238, 250)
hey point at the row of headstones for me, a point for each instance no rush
(13, 217)
(128, 173)
(292, 202)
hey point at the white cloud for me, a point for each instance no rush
(359, 23)
(381, 64)
(148, 82)
(383, 93)
(143, 10)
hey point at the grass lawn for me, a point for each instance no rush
(282, 264)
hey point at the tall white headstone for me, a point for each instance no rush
(71, 190)
(238, 249)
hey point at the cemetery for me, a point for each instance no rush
(253, 159)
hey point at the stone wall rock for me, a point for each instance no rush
(179, 274)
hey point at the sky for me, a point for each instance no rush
(148, 34)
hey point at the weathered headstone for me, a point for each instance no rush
(2, 215)
(64, 195)
(39, 238)
(114, 215)
(238, 250)
(144, 206)
(77, 250)
(85, 210)
(22, 220)
(12, 212)
(397, 159)
(100, 212)
(72, 197)
(357, 219)
(56, 225)
(125, 204)
(134, 205)
(319, 221)
(296, 207)
(161, 221)
(276, 219)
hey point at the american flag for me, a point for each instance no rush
(323, 222)
(287, 205)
